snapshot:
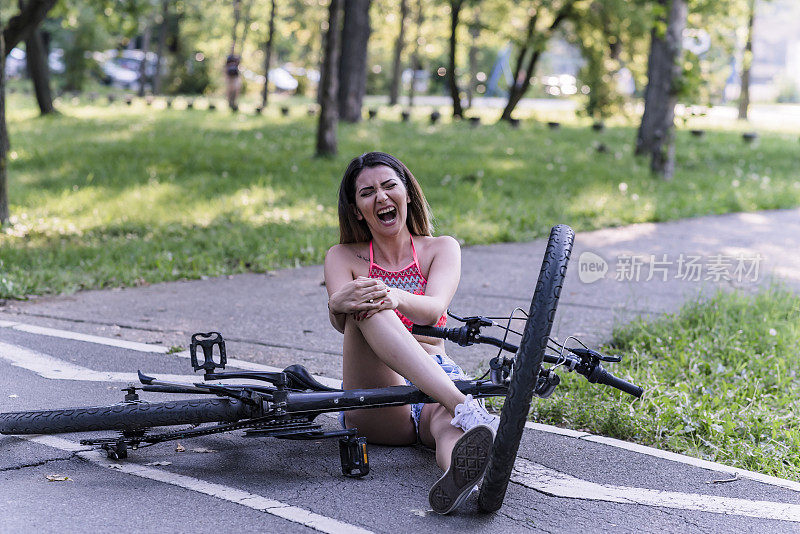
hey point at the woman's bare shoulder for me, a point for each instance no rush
(430, 248)
(353, 254)
(433, 245)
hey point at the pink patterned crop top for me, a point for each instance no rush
(408, 279)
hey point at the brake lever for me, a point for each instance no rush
(593, 354)
(475, 321)
(454, 316)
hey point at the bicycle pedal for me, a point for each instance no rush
(353, 453)
(116, 451)
(207, 342)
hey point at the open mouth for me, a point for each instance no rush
(388, 214)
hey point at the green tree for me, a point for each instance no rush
(611, 35)
(544, 18)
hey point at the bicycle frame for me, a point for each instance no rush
(286, 409)
(352, 399)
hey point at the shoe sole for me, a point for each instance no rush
(468, 463)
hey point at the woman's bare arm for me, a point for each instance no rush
(346, 295)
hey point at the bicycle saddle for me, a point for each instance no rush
(300, 378)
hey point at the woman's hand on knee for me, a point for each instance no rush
(389, 302)
(359, 296)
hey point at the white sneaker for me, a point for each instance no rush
(468, 463)
(471, 413)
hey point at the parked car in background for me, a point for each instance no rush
(16, 62)
(121, 68)
(279, 77)
(282, 80)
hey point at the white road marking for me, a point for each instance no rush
(241, 364)
(285, 511)
(65, 334)
(145, 347)
(696, 462)
(557, 484)
(556, 430)
(53, 368)
(526, 473)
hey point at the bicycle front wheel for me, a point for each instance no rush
(527, 364)
(126, 416)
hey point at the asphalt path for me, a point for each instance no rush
(199, 488)
(564, 480)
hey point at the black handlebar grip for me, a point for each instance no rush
(604, 377)
(430, 331)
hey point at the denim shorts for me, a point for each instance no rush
(453, 371)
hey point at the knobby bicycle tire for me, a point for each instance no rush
(527, 364)
(130, 416)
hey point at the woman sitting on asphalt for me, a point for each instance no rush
(387, 273)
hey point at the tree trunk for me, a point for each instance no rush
(397, 64)
(329, 113)
(515, 91)
(535, 47)
(656, 132)
(3, 135)
(15, 30)
(474, 33)
(38, 70)
(747, 61)
(162, 41)
(245, 25)
(415, 62)
(522, 81)
(145, 51)
(353, 59)
(268, 55)
(237, 12)
(455, 10)
(322, 82)
(28, 18)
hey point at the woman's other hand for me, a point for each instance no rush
(361, 295)
(390, 302)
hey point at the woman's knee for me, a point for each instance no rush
(383, 318)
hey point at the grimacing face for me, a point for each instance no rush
(381, 200)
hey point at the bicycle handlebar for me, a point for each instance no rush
(601, 376)
(433, 331)
(591, 368)
(461, 335)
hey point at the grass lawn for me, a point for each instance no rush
(109, 195)
(720, 380)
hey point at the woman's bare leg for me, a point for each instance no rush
(436, 432)
(394, 345)
(363, 369)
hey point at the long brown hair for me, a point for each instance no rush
(352, 230)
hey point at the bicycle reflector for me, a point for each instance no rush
(207, 342)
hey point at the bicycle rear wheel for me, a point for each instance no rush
(527, 365)
(131, 416)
